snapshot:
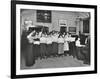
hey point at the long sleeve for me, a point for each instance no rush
(30, 38)
(78, 44)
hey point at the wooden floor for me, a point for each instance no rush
(54, 62)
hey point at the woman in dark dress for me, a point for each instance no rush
(27, 45)
(54, 44)
(86, 51)
(72, 50)
(79, 48)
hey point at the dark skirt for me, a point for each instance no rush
(54, 48)
(72, 49)
(36, 50)
(49, 49)
(24, 41)
(80, 56)
(29, 59)
(43, 49)
(86, 53)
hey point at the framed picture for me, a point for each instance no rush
(44, 16)
(31, 59)
(62, 22)
(86, 26)
(72, 29)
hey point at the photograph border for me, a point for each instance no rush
(13, 38)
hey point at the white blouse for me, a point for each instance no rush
(71, 39)
(55, 38)
(42, 39)
(60, 40)
(78, 44)
(66, 38)
(49, 40)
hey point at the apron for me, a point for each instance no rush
(60, 48)
(66, 46)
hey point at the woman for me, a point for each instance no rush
(54, 44)
(79, 48)
(49, 45)
(28, 53)
(43, 50)
(66, 45)
(70, 45)
(36, 47)
(60, 45)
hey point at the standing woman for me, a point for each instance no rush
(43, 45)
(54, 44)
(79, 48)
(66, 45)
(60, 45)
(28, 53)
(49, 45)
(36, 47)
(70, 45)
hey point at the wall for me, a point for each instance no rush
(56, 16)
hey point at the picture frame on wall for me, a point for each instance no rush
(62, 22)
(44, 16)
(17, 71)
(72, 29)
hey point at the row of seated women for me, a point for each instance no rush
(41, 45)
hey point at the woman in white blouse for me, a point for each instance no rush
(36, 46)
(71, 45)
(78, 49)
(29, 55)
(49, 45)
(54, 44)
(43, 49)
(66, 44)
